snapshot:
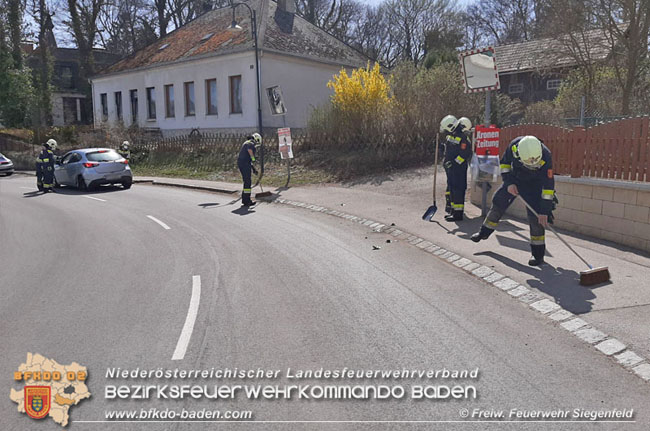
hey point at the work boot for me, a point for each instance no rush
(455, 216)
(484, 233)
(538, 252)
(448, 209)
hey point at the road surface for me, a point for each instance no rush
(157, 277)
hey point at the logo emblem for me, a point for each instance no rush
(37, 401)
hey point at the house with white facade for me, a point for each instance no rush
(202, 75)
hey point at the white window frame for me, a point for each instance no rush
(519, 86)
(554, 81)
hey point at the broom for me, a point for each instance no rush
(589, 277)
(428, 215)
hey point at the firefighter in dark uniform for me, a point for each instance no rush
(458, 153)
(527, 170)
(45, 167)
(124, 150)
(245, 164)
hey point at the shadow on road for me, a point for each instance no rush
(244, 210)
(34, 194)
(96, 191)
(560, 283)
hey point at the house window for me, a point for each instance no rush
(104, 100)
(151, 103)
(515, 88)
(553, 84)
(189, 99)
(169, 101)
(134, 106)
(211, 96)
(67, 79)
(235, 94)
(118, 105)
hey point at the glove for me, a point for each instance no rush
(448, 164)
(254, 170)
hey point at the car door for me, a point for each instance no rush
(60, 172)
(73, 168)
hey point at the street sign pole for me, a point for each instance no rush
(485, 184)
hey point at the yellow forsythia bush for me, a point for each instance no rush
(365, 91)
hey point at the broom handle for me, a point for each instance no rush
(555, 232)
(435, 172)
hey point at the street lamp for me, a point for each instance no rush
(234, 27)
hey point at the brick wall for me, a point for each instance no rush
(613, 210)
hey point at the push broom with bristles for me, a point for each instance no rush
(590, 277)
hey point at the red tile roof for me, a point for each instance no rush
(185, 43)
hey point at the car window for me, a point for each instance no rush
(103, 156)
(75, 158)
(66, 158)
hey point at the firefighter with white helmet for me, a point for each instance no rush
(458, 153)
(125, 150)
(245, 164)
(45, 167)
(527, 170)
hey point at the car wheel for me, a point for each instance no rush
(127, 184)
(10, 174)
(81, 183)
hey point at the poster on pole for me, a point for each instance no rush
(276, 101)
(485, 165)
(284, 142)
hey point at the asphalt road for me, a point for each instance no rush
(109, 279)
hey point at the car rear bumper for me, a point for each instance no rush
(96, 179)
(7, 169)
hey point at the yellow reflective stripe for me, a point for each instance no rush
(490, 224)
(537, 240)
(247, 190)
(514, 150)
(548, 194)
(253, 158)
(45, 160)
(460, 160)
(458, 206)
(542, 163)
(448, 193)
(505, 166)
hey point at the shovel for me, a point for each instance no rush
(589, 277)
(428, 215)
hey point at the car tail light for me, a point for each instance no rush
(91, 165)
(4, 163)
(126, 162)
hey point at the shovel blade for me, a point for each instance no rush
(428, 215)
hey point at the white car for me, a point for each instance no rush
(92, 167)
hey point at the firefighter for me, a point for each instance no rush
(124, 150)
(245, 164)
(45, 167)
(458, 153)
(527, 170)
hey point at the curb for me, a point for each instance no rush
(542, 303)
(184, 186)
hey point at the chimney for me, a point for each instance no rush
(285, 14)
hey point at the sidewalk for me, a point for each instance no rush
(620, 308)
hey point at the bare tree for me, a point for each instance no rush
(334, 16)
(505, 21)
(15, 10)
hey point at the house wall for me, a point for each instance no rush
(617, 211)
(303, 84)
(198, 71)
(534, 86)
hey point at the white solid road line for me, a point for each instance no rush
(96, 199)
(188, 327)
(159, 222)
(28, 188)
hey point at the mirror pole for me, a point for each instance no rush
(484, 186)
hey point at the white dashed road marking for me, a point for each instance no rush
(95, 199)
(159, 222)
(188, 327)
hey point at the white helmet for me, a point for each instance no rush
(257, 138)
(125, 145)
(464, 123)
(447, 124)
(529, 149)
(51, 144)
